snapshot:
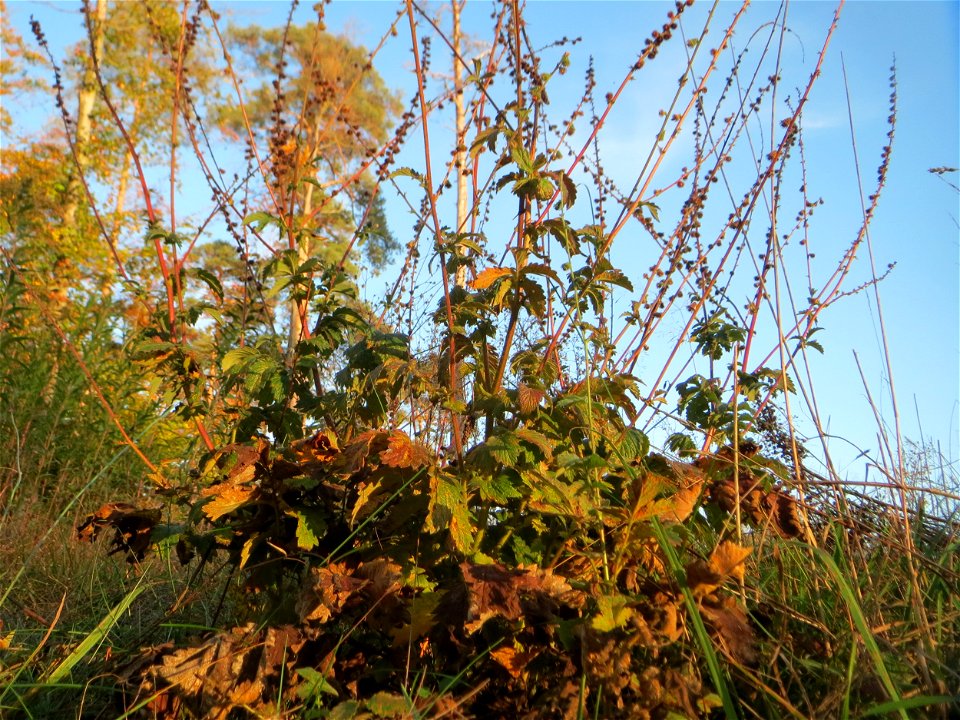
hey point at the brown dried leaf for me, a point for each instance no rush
(226, 672)
(321, 448)
(90, 528)
(732, 627)
(785, 517)
(402, 452)
(133, 528)
(702, 579)
(354, 455)
(382, 576)
(493, 591)
(488, 277)
(330, 589)
(512, 660)
(240, 462)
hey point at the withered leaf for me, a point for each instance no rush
(512, 660)
(493, 591)
(402, 452)
(786, 518)
(321, 448)
(489, 276)
(228, 671)
(727, 559)
(680, 505)
(226, 498)
(732, 628)
(133, 528)
(702, 579)
(354, 455)
(326, 592)
(383, 576)
(705, 578)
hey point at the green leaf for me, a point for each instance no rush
(568, 190)
(537, 439)
(448, 510)
(633, 445)
(314, 684)
(498, 488)
(238, 358)
(388, 705)
(407, 172)
(310, 528)
(211, 281)
(261, 220)
(504, 448)
(612, 613)
(486, 137)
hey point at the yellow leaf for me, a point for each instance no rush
(364, 494)
(226, 499)
(727, 560)
(489, 276)
(678, 506)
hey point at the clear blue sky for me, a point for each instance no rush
(916, 225)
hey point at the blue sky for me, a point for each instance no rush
(916, 222)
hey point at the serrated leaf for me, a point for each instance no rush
(261, 220)
(313, 685)
(538, 439)
(448, 510)
(727, 559)
(310, 528)
(633, 445)
(407, 172)
(211, 281)
(568, 190)
(498, 489)
(388, 705)
(528, 398)
(402, 452)
(489, 276)
(504, 448)
(238, 357)
(612, 613)
(486, 137)
(225, 499)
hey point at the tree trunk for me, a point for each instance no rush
(85, 100)
(460, 158)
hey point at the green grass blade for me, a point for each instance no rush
(856, 612)
(94, 637)
(699, 629)
(918, 701)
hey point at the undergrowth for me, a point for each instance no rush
(529, 480)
